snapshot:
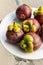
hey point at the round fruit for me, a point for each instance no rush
(29, 43)
(14, 33)
(38, 14)
(13, 36)
(23, 12)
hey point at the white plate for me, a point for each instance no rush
(9, 19)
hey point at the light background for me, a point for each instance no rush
(7, 6)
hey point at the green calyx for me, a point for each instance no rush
(15, 27)
(35, 13)
(29, 50)
(40, 9)
(33, 28)
(16, 24)
(27, 43)
(22, 44)
(26, 27)
(10, 27)
(27, 24)
(28, 38)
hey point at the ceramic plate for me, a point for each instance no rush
(9, 19)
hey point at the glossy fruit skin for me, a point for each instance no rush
(39, 18)
(14, 37)
(23, 12)
(40, 32)
(37, 40)
(30, 42)
(34, 22)
(38, 14)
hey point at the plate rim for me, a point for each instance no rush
(7, 48)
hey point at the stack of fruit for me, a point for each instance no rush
(30, 35)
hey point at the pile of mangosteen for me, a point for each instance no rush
(30, 36)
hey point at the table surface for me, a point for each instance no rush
(7, 6)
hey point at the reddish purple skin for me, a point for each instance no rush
(39, 18)
(37, 40)
(14, 37)
(23, 9)
(36, 23)
(41, 32)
